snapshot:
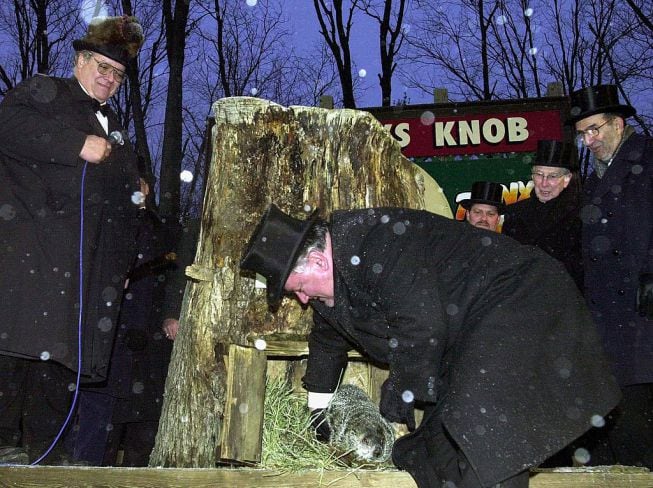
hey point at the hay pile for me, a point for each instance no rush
(289, 442)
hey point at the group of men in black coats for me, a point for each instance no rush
(601, 232)
(491, 338)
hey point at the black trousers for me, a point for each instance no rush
(434, 461)
(626, 437)
(36, 397)
(88, 439)
(454, 468)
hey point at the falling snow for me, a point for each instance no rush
(399, 228)
(408, 396)
(427, 117)
(138, 198)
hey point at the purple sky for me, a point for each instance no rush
(365, 52)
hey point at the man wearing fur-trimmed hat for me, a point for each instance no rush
(484, 205)
(69, 206)
(617, 216)
(550, 219)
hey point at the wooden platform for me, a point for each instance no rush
(72, 477)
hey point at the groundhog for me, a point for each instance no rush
(357, 427)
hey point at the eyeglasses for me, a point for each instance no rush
(551, 177)
(591, 132)
(105, 68)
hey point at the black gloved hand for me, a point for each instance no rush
(320, 425)
(645, 296)
(393, 406)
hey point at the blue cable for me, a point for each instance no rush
(79, 322)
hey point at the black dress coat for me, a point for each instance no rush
(43, 125)
(553, 226)
(493, 333)
(617, 249)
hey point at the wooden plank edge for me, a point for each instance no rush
(73, 476)
(77, 476)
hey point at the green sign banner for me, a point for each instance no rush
(456, 175)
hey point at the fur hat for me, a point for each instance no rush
(599, 99)
(118, 38)
(274, 248)
(486, 192)
(557, 154)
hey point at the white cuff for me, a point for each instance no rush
(318, 400)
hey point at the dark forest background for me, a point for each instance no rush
(198, 51)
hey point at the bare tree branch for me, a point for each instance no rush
(336, 27)
(391, 37)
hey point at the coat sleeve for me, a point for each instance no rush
(327, 359)
(33, 128)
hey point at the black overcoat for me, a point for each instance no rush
(494, 333)
(553, 226)
(43, 125)
(617, 248)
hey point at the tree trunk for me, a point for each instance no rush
(176, 19)
(300, 158)
(142, 146)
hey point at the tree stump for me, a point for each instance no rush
(300, 158)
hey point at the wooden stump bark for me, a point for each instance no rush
(300, 158)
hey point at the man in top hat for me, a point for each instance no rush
(462, 317)
(485, 205)
(617, 249)
(69, 205)
(551, 219)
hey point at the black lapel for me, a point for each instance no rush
(85, 104)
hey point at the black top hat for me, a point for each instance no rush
(274, 248)
(118, 38)
(486, 192)
(558, 154)
(599, 99)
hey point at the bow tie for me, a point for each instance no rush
(102, 108)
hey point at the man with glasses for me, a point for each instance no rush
(618, 258)
(551, 219)
(69, 211)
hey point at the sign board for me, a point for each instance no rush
(460, 143)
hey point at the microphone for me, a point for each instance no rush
(116, 137)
